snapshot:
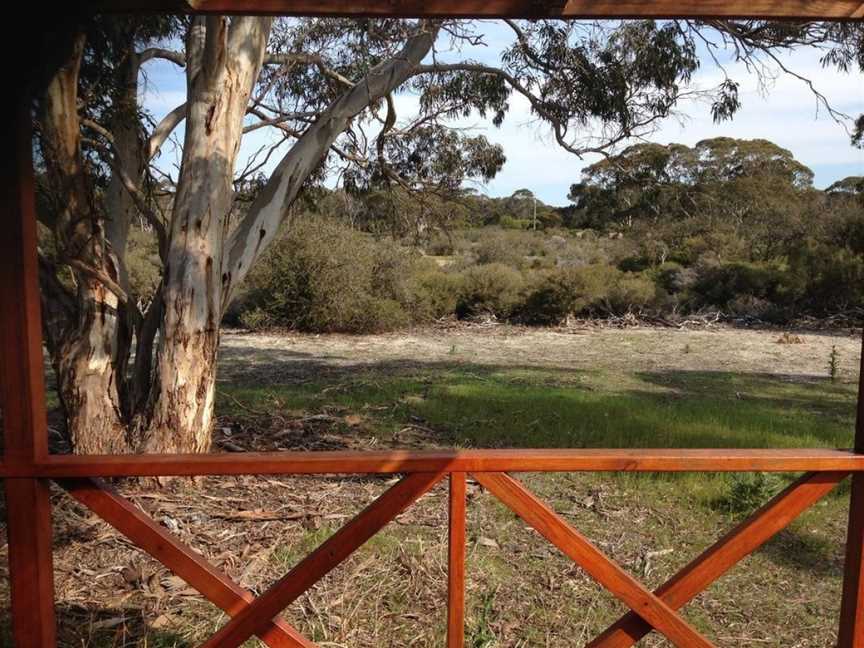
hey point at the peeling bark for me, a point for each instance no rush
(88, 354)
(166, 403)
(268, 211)
(223, 66)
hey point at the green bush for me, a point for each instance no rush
(509, 222)
(143, 263)
(599, 289)
(748, 492)
(674, 278)
(630, 292)
(499, 246)
(253, 317)
(548, 299)
(491, 289)
(436, 294)
(325, 277)
(738, 281)
(832, 278)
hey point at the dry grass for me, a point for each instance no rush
(521, 591)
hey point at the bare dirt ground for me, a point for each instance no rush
(631, 349)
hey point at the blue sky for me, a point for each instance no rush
(784, 111)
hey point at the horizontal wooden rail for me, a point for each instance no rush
(658, 611)
(443, 461)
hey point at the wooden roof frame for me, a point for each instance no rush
(27, 465)
(777, 9)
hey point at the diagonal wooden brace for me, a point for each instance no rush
(188, 564)
(740, 542)
(605, 571)
(324, 559)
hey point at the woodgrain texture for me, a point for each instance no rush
(456, 563)
(813, 9)
(399, 461)
(28, 504)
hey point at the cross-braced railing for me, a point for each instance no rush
(649, 611)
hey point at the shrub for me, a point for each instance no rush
(509, 248)
(674, 278)
(142, 263)
(491, 289)
(748, 492)
(745, 288)
(833, 278)
(509, 222)
(594, 283)
(549, 298)
(629, 292)
(326, 277)
(436, 294)
(591, 290)
(255, 318)
(441, 244)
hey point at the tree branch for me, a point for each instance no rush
(262, 221)
(308, 59)
(163, 130)
(178, 58)
(129, 184)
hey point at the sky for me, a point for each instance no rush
(784, 111)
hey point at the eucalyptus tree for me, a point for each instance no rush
(737, 181)
(140, 376)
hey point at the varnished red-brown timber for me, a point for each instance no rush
(726, 553)
(321, 561)
(783, 9)
(456, 562)
(851, 632)
(189, 565)
(28, 506)
(26, 465)
(626, 588)
(397, 461)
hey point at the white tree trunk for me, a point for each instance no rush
(271, 206)
(202, 264)
(223, 62)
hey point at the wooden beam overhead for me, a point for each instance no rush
(780, 9)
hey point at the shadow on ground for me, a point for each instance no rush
(97, 627)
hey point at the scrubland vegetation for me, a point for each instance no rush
(729, 226)
(759, 242)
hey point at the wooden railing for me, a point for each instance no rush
(650, 611)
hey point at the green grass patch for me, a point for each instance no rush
(463, 405)
(474, 407)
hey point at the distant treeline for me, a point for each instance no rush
(727, 225)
